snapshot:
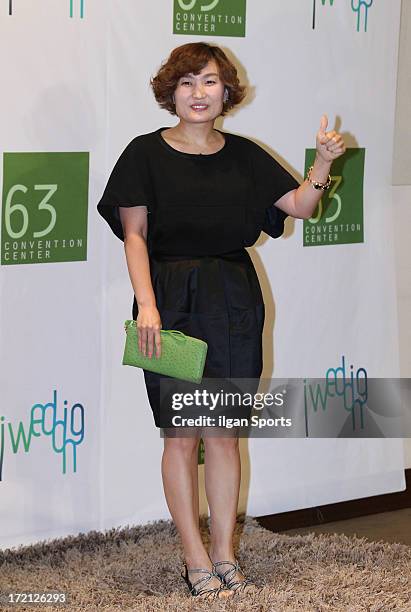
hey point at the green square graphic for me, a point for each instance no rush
(44, 207)
(210, 17)
(338, 217)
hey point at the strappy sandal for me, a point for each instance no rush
(228, 577)
(196, 590)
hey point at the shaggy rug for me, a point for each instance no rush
(137, 568)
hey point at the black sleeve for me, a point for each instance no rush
(272, 181)
(128, 185)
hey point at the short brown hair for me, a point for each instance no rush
(193, 57)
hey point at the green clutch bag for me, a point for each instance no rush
(181, 357)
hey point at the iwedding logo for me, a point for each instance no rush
(358, 6)
(81, 7)
(210, 17)
(351, 386)
(338, 217)
(65, 433)
(71, 8)
(44, 211)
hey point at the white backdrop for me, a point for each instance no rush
(81, 84)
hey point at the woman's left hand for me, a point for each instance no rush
(330, 145)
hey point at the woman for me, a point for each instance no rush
(186, 200)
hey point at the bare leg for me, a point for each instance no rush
(222, 479)
(222, 482)
(180, 480)
(194, 476)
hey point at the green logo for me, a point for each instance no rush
(210, 17)
(201, 452)
(44, 207)
(338, 217)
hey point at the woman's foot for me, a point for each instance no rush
(203, 582)
(230, 572)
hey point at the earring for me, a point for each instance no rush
(225, 95)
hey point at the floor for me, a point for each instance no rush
(387, 526)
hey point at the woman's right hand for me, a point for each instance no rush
(148, 330)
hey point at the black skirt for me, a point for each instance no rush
(218, 299)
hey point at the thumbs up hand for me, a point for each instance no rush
(330, 145)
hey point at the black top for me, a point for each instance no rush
(198, 204)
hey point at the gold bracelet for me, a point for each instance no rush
(316, 184)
